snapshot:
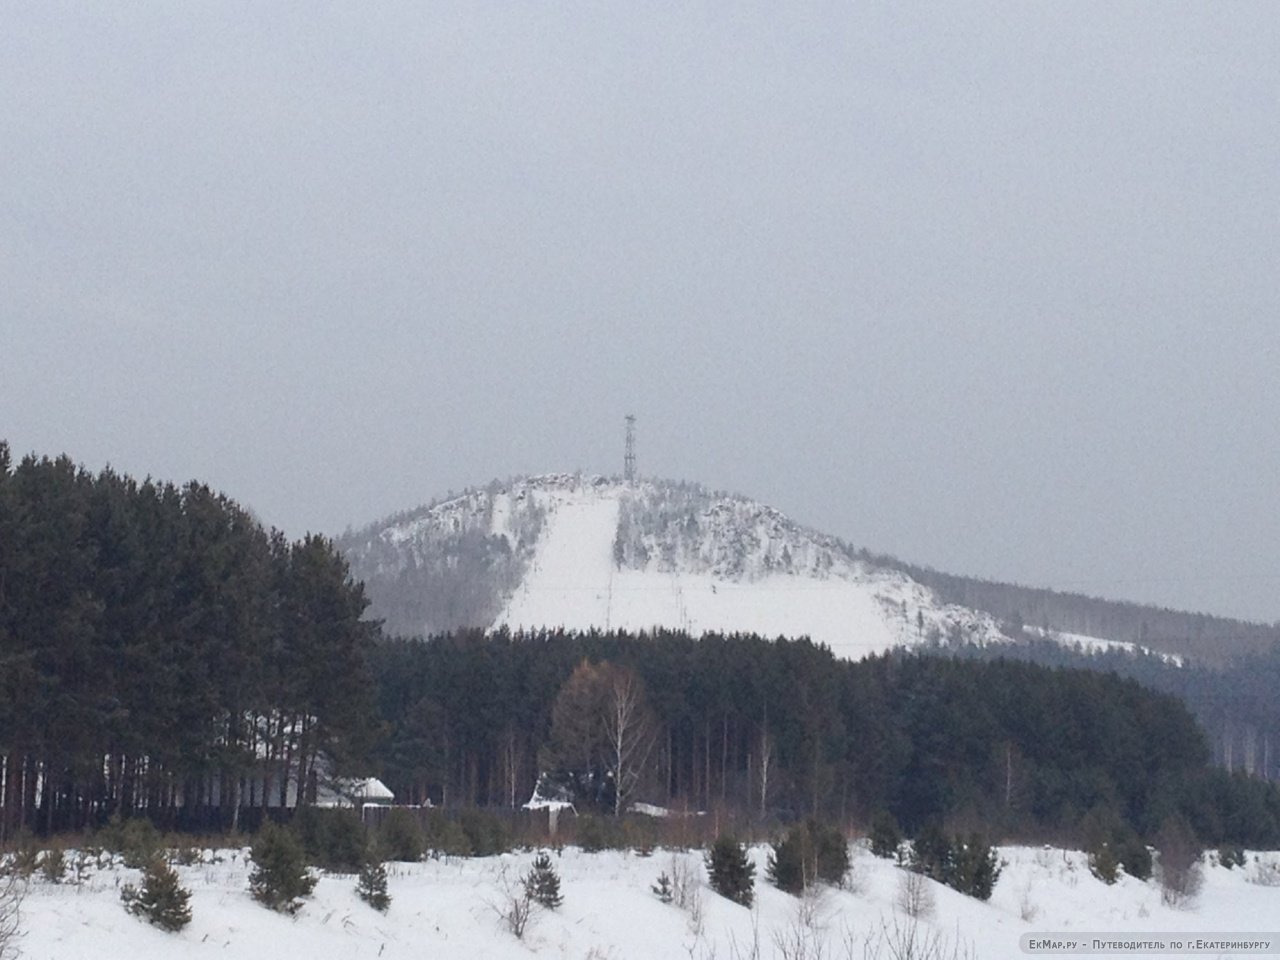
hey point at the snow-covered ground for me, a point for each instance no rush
(449, 908)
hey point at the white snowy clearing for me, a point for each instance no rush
(1098, 645)
(575, 582)
(449, 909)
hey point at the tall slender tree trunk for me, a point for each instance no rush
(1008, 775)
(766, 758)
(724, 757)
(706, 762)
(671, 783)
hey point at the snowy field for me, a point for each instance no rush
(449, 909)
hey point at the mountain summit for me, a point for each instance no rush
(598, 553)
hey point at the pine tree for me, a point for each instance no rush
(372, 886)
(280, 878)
(53, 864)
(885, 836)
(732, 874)
(662, 889)
(975, 867)
(830, 853)
(790, 867)
(811, 851)
(1104, 864)
(162, 901)
(400, 836)
(543, 883)
(932, 854)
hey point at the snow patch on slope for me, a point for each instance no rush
(1089, 644)
(614, 556)
(569, 579)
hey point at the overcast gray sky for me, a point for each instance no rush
(991, 286)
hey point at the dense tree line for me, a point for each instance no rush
(1235, 701)
(161, 652)
(783, 729)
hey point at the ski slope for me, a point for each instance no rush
(587, 552)
(575, 582)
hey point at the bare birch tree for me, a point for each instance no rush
(629, 729)
(766, 760)
(602, 727)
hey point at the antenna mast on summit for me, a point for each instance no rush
(629, 459)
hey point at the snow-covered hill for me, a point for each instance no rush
(447, 909)
(591, 552)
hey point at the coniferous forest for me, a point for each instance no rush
(163, 654)
(784, 730)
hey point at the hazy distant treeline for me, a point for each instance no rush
(1198, 635)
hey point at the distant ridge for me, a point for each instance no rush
(590, 552)
(1202, 636)
(593, 552)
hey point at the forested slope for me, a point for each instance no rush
(1200, 636)
(1235, 702)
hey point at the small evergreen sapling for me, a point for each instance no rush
(1111, 844)
(401, 837)
(161, 901)
(543, 883)
(1231, 856)
(975, 867)
(811, 851)
(280, 877)
(137, 842)
(372, 886)
(885, 836)
(663, 889)
(931, 854)
(1104, 864)
(53, 864)
(789, 867)
(970, 866)
(732, 874)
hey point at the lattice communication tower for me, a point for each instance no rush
(629, 458)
